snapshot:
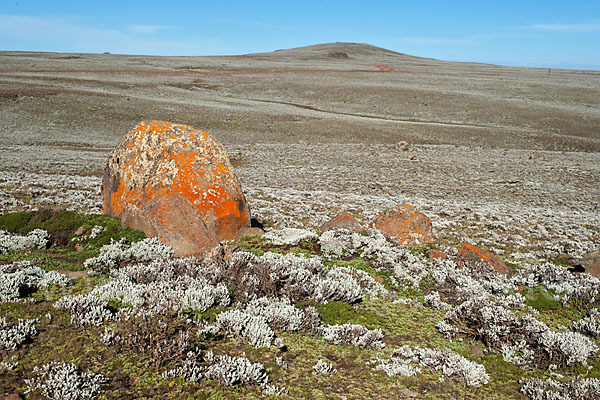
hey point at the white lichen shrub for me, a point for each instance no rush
(110, 337)
(51, 278)
(371, 245)
(295, 277)
(281, 362)
(353, 335)
(449, 331)
(224, 369)
(232, 371)
(578, 389)
(289, 236)
(190, 369)
(311, 320)
(434, 301)
(252, 328)
(396, 366)
(36, 239)
(279, 344)
(9, 365)
(572, 347)
(589, 325)
(205, 329)
(96, 230)
(582, 288)
(61, 381)
(279, 313)
(166, 285)
(518, 353)
(115, 253)
(12, 336)
(22, 277)
(12, 287)
(340, 242)
(369, 284)
(86, 309)
(323, 367)
(450, 364)
(520, 336)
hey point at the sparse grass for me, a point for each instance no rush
(422, 250)
(541, 299)
(63, 252)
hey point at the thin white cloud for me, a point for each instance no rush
(564, 27)
(145, 29)
(63, 34)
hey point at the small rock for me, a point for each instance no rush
(537, 156)
(402, 146)
(80, 231)
(479, 259)
(437, 255)
(411, 156)
(476, 351)
(408, 393)
(405, 225)
(343, 220)
(74, 274)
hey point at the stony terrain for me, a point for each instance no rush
(504, 158)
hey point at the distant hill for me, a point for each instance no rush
(339, 50)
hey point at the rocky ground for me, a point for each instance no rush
(504, 158)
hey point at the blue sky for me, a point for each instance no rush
(522, 33)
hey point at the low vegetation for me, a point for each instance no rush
(338, 316)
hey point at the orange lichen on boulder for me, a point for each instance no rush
(405, 225)
(176, 183)
(476, 258)
(343, 220)
(437, 255)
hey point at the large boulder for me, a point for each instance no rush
(405, 225)
(177, 184)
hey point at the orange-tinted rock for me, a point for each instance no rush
(437, 255)
(177, 184)
(343, 220)
(405, 225)
(479, 259)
